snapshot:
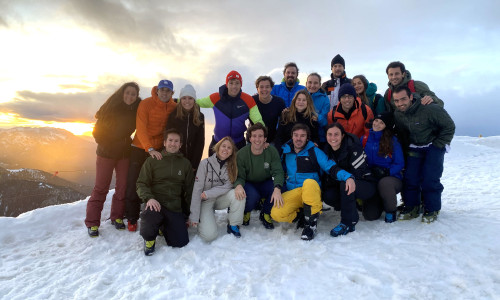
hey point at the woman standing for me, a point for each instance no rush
(385, 158)
(321, 103)
(115, 123)
(213, 189)
(188, 120)
(367, 92)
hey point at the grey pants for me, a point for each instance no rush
(388, 188)
(207, 228)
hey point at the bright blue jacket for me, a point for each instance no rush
(322, 107)
(300, 166)
(394, 162)
(282, 91)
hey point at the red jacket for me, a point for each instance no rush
(356, 122)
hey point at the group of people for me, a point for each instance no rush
(337, 143)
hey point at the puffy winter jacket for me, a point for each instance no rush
(282, 91)
(394, 163)
(356, 122)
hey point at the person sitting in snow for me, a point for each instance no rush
(166, 186)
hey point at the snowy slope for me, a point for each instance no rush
(46, 253)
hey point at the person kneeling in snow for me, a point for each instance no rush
(166, 186)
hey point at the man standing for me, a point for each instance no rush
(399, 76)
(303, 163)
(339, 77)
(166, 185)
(428, 131)
(152, 116)
(290, 84)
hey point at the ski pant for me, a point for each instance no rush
(172, 224)
(294, 200)
(256, 191)
(104, 174)
(388, 188)
(207, 228)
(336, 196)
(132, 200)
(424, 168)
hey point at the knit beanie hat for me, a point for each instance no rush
(234, 75)
(166, 83)
(188, 90)
(347, 89)
(338, 60)
(387, 118)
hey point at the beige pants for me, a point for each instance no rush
(207, 228)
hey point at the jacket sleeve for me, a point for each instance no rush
(446, 127)
(323, 112)
(255, 115)
(398, 161)
(423, 89)
(369, 118)
(330, 167)
(242, 175)
(207, 101)
(276, 167)
(141, 125)
(199, 143)
(145, 180)
(199, 182)
(187, 189)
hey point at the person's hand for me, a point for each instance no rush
(350, 186)
(276, 198)
(266, 145)
(203, 196)
(239, 192)
(155, 154)
(193, 224)
(314, 118)
(153, 205)
(427, 100)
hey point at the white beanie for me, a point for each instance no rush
(188, 90)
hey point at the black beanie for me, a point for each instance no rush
(387, 118)
(338, 60)
(347, 89)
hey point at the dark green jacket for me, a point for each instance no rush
(421, 89)
(169, 181)
(424, 124)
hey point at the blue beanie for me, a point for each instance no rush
(347, 89)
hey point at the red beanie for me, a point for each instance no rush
(234, 75)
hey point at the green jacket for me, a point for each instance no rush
(169, 181)
(420, 88)
(424, 124)
(258, 168)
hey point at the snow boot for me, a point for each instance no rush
(266, 220)
(149, 247)
(235, 230)
(132, 226)
(118, 223)
(246, 218)
(409, 213)
(93, 231)
(429, 217)
(342, 229)
(299, 219)
(310, 222)
(390, 217)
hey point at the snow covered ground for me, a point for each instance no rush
(46, 253)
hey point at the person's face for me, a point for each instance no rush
(301, 103)
(313, 84)
(291, 76)
(347, 101)
(187, 102)
(233, 87)
(264, 89)
(299, 139)
(225, 150)
(358, 85)
(129, 95)
(165, 94)
(395, 76)
(172, 143)
(402, 101)
(337, 70)
(257, 139)
(334, 137)
(378, 125)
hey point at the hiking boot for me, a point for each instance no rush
(430, 216)
(299, 219)
(266, 221)
(93, 231)
(235, 230)
(118, 223)
(310, 227)
(132, 226)
(409, 213)
(390, 217)
(342, 229)
(149, 247)
(246, 218)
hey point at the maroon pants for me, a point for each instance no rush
(104, 173)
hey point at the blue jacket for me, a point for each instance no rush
(282, 91)
(300, 166)
(394, 163)
(322, 107)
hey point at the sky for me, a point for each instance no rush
(61, 59)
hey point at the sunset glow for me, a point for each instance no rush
(77, 128)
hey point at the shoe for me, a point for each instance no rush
(299, 219)
(409, 213)
(93, 231)
(246, 218)
(235, 230)
(309, 227)
(266, 221)
(149, 247)
(160, 233)
(430, 217)
(342, 229)
(390, 217)
(118, 223)
(132, 226)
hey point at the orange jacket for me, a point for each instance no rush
(356, 123)
(152, 116)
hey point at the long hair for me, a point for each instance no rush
(290, 115)
(385, 145)
(115, 100)
(363, 79)
(232, 168)
(182, 113)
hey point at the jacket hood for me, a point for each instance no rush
(224, 92)
(371, 90)
(404, 82)
(164, 153)
(287, 148)
(344, 75)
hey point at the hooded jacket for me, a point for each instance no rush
(394, 163)
(322, 107)
(282, 91)
(371, 94)
(356, 123)
(331, 85)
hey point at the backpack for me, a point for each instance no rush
(411, 86)
(375, 102)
